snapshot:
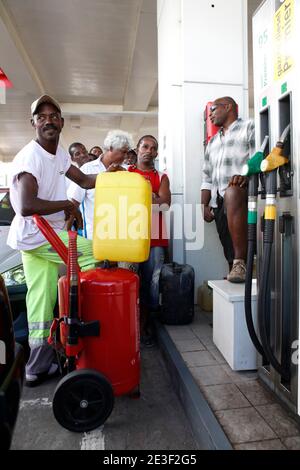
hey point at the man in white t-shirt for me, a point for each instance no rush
(116, 146)
(79, 154)
(38, 187)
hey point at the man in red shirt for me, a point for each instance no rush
(149, 271)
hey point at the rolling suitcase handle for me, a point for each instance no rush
(52, 237)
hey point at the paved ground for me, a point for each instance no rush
(250, 415)
(154, 422)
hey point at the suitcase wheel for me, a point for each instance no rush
(83, 400)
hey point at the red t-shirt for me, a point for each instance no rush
(159, 236)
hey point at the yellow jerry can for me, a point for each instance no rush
(122, 217)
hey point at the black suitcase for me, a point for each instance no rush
(177, 282)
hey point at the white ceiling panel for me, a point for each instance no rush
(97, 57)
(80, 47)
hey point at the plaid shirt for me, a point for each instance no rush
(225, 156)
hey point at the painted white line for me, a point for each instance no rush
(93, 440)
(42, 402)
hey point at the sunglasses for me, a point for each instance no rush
(215, 106)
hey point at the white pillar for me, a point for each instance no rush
(202, 54)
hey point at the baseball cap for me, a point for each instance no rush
(44, 99)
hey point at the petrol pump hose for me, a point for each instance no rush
(252, 169)
(73, 316)
(270, 166)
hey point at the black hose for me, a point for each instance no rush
(72, 339)
(263, 300)
(248, 288)
(71, 363)
(252, 243)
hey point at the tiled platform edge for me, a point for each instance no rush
(206, 428)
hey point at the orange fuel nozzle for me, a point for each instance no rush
(274, 160)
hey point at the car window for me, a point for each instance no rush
(6, 211)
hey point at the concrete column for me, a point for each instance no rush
(203, 55)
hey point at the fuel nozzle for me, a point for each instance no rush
(252, 167)
(276, 158)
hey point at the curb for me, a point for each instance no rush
(207, 431)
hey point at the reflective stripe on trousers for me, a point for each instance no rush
(41, 272)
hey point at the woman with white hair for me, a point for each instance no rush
(116, 145)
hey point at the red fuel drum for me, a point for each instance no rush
(110, 296)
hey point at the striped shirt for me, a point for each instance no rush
(225, 156)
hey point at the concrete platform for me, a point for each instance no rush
(226, 409)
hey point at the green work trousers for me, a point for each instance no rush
(41, 273)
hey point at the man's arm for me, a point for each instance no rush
(251, 138)
(207, 170)
(163, 197)
(78, 219)
(206, 187)
(85, 181)
(76, 203)
(88, 181)
(114, 167)
(30, 204)
(238, 180)
(207, 210)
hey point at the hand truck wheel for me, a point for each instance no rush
(83, 400)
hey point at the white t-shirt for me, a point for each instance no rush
(49, 171)
(87, 195)
(68, 181)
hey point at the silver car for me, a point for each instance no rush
(10, 259)
(12, 272)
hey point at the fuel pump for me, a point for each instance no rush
(270, 166)
(276, 71)
(252, 170)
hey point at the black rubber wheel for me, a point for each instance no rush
(83, 400)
